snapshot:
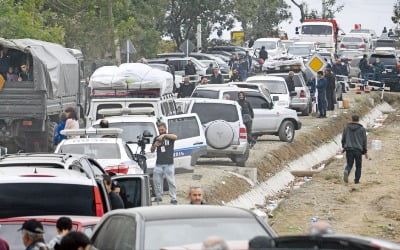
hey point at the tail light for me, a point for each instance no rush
(362, 46)
(342, 45)
(117, 169)
(242, 133)
(303, 94)
(97, 202)
(398, 67)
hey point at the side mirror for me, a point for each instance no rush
(275, 98)
(293, 93)
(3, 151)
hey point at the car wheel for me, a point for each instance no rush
(286, 131)
(219, 134)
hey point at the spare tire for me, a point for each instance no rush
(219, 134)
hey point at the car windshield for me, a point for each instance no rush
(299, 51)
(274, 87)
(360, 31)
(131, 130)
(45, 199)
(352, 39)
(93, 150)
(208, 112)
(178, 232)
(316, 30)
(268, 44)
(385, 59)
(385, 43)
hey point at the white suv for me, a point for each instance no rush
(224, 128)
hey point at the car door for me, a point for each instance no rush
(191, 142)
(265, 116)
(135, 190)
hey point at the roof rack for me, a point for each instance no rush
(91, 131)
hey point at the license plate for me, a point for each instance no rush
(388, 70)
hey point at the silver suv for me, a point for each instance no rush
(224, 129)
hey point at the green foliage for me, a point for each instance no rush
(330, 9)
(28, 19)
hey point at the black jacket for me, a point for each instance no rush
(354, 137)
(331, 82)
(190, 69)
(185, 90)
(263, 54)
(235, 78)
(115, 200)
(216, 79)
(290, 84)
(246, 108)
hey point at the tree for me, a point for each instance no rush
(182, 17)
(330, 9)
(261, 18)
(396, 12)
(28, 19)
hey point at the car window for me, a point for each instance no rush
(296, 79)
(202, 93)
(274, 87)
(93, 150)
(141, 105)
(185, 127)
(208, 112)
(131, 130)
(385, 59)
(179, 232)
(118, 232)
(257, 102)
(106, 106)
(131, 191)
(45, 199)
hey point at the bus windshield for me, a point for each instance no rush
(316, 30)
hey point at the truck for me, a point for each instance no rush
(30, 108)
(324, 32)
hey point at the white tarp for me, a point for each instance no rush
(131, 76)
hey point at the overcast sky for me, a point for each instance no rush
(372, 14)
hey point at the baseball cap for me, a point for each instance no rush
(32, 226)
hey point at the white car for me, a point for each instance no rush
(277, 88)
(112, 153)
(190, 145)
(273, 46)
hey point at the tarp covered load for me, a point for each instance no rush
(131, 76)
(55, 70)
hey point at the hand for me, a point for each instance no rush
(157, 143)
(366, 156)
(161, 137)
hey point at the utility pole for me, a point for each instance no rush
(323, 9)
(198, 35)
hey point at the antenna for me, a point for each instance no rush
(35, 171)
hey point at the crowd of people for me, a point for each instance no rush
(12, 69)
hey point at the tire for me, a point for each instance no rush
(219, 134)
(240, 160)
(306, 111)
(286, 131)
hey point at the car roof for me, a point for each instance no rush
(227, 88)
(92, 140)
(166, 212)
(85, 220)
(266, 78)
(129, 118)
(39, 158)
(268, 39)
(207, 100)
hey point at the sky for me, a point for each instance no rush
(371, 14)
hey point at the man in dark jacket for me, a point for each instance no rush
(321, 88)
(190, 69)
(330, 88)
(115, 200)
(354, 143)
(290, 82)
(216, 77)
(235, 77)
(248, 115)
(186, 88)
(263, 53)
(365, 68)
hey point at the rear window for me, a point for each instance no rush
(202, 93)
(352, 39)
(93, 150)
(25, 199)
(275, 87)
(131, 130)
(385, 43)
(296, 78)
(183, 128)
(385, 59)
(208, 112)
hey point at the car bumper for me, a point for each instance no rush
(299, 104)
(239, 149)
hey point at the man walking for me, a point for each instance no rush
(365, 69)
(354, 143)
(248, 115)
(164, 144)
(321, 88)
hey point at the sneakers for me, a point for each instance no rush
(174, 202)
(346, 176)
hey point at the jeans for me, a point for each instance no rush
(322, 104)
(167, 170)
(364, 82)
(351, 156)
(243, 74)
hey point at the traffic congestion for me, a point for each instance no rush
(91, 161)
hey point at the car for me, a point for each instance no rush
(190, 145)
(371, 33)
(273, 46)
(304, 52)
(287, 43)
(113, 154)
(180, 63)
(392, 69)
(312, 45)
(230, 49)
(385, 50)
(267, 119)
(302, 101)
(350, 54)
(54, 184)
(163, 226)
(224, 128)
(277, 88)
(164, 67)
(9, 227)
(354, 42)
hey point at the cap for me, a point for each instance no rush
(33, 226)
